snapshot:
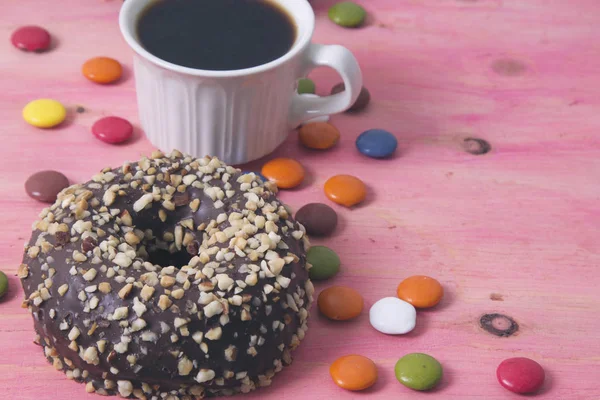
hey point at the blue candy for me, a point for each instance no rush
(376, 143)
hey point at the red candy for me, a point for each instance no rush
(31, 38)
(112, 130)
(521, 375)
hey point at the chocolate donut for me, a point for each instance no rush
(169, 278)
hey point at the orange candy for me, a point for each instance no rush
(420, 291)
(285, 172)
(340, 303)
(353, 372)
(319, 135)
(102, 70)
(346, 190)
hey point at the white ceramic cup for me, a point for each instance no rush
(238, 115)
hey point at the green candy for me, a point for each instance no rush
(325, 263)
(3, 284)
(418, 371)
(305, 85)
(347, 14)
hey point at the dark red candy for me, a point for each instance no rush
(112, 130)
(31, 38)
(46, 185)
(521, 375)
(318, 219)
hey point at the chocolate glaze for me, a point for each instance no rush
(259, 348)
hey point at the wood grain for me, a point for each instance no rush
(514, 231)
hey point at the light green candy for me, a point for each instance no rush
(305, 85)
(347, 14)
(3, 284)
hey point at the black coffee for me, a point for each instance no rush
(216, 34)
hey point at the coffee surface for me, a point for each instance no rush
(216, 34)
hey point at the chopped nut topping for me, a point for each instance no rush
(33, 251)
(167, 281)
(147, 292)
(125, 388)
(78, 256)
(138, 325)
(120, 313)
(63, 289)
(90, 275)
(23, 271)
(90, 356)
(121, 347)
(122, 260)
(185, 366)
(177, 293)
(142, 202)
(138, 307)
(214, 333)
(205, 375)
(74, 333)
(164, 302)
(131, 238)
(198, 336)
(213, 308)
(125, 290)
(104, 287)
(224, 281)
(150, 279)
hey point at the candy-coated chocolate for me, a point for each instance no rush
(317, 218)
(102, 70)
(286, 173)
(346, 190)
(324, 261)
(319, 135)
(306, 85)
(31, 38)
(44, 186)
(3, 284)
(418, 371)
(347, 14)
(420, 291)
(353, 372)
(392, 316)
(340, 303)
(44, 113)
(112, 129)
(521, 375)
(376, 143)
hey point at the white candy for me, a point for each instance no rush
(393, 316)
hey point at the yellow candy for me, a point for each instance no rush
(44, 113)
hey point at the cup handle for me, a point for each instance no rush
(340, 59)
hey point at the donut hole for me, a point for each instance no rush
(160, 247)
(165, 258)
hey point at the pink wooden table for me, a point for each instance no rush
(515, 231)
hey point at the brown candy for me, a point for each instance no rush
(361, 102)
(318, 219)
(45, 185)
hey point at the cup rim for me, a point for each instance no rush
(125, 22)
